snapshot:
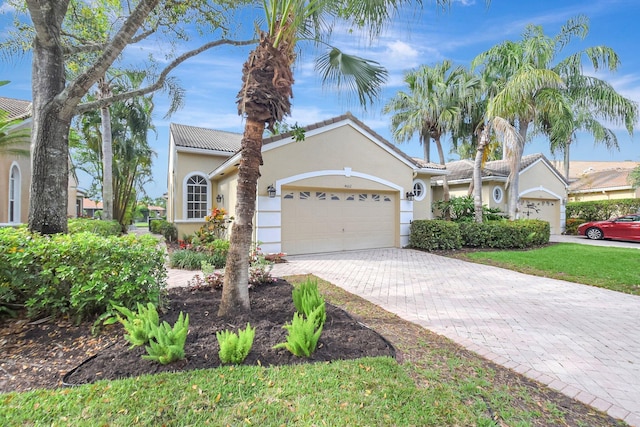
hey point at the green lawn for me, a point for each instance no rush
(617, 269)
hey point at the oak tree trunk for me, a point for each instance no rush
(49, 138)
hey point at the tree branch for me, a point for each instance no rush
(159, 83)
(70, 97)
(87, 47)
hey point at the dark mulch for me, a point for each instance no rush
(271, 307)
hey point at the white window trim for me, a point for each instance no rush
(424, 189)
(17, 195)
(493, 194)
(184, 196)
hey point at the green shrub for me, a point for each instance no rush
(303, 335)
(462, 209)
(188, 259)
(572, 224)
(505, 234)
(234, 348)
(307, 299)
(434, 234)
(99, 227)
(166, 343)
(165, 228)
(602, 210)
(79, 275)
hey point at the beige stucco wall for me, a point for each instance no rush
(539, 175)
(605, 195)
(422, 208)
(24, 165)
(336, 149)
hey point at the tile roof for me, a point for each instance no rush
(17, 108)
(206, 139)
(598, 180)
(578, 168)
(462, 170)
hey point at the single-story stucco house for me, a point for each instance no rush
(542, 189)
(593, 180)
(343, 187)
(15, 172)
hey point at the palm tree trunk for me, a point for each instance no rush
(445, 184)
(514, 176)
(477, 175)
(107, 165)
(235, 291)
(566, 160)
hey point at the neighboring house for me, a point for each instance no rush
(15, 173)
(343, 187)
(601, 181)
(543, 190)
(156, 211)
(90, 208)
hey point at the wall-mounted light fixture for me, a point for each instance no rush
(271, 191)
(410, 195)
(219, 198)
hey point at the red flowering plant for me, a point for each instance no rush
(216, 226)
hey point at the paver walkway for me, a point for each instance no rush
(581, 340)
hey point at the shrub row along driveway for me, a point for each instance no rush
(578, 339)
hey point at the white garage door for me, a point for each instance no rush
(546, 210)
(327, 221)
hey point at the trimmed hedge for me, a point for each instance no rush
(444, 235)
(602, 210)
(435, 234)
(78, 275)
(96, 226)
(523, 233)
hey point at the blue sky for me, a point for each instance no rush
(212, 79)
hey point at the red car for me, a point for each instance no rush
(623, 228)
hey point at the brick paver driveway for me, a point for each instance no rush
(578, 339)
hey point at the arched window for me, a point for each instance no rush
(14, 194)
(197, 193)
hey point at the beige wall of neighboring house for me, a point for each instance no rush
(343, 187)
(15, 179)
(15, 172)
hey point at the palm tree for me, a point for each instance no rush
(432, 107)
(264, 100)
(532, 87)
(590, 100)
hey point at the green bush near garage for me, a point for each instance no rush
(96, 226)
(79, 276)
(433, 235)
(520, 234)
